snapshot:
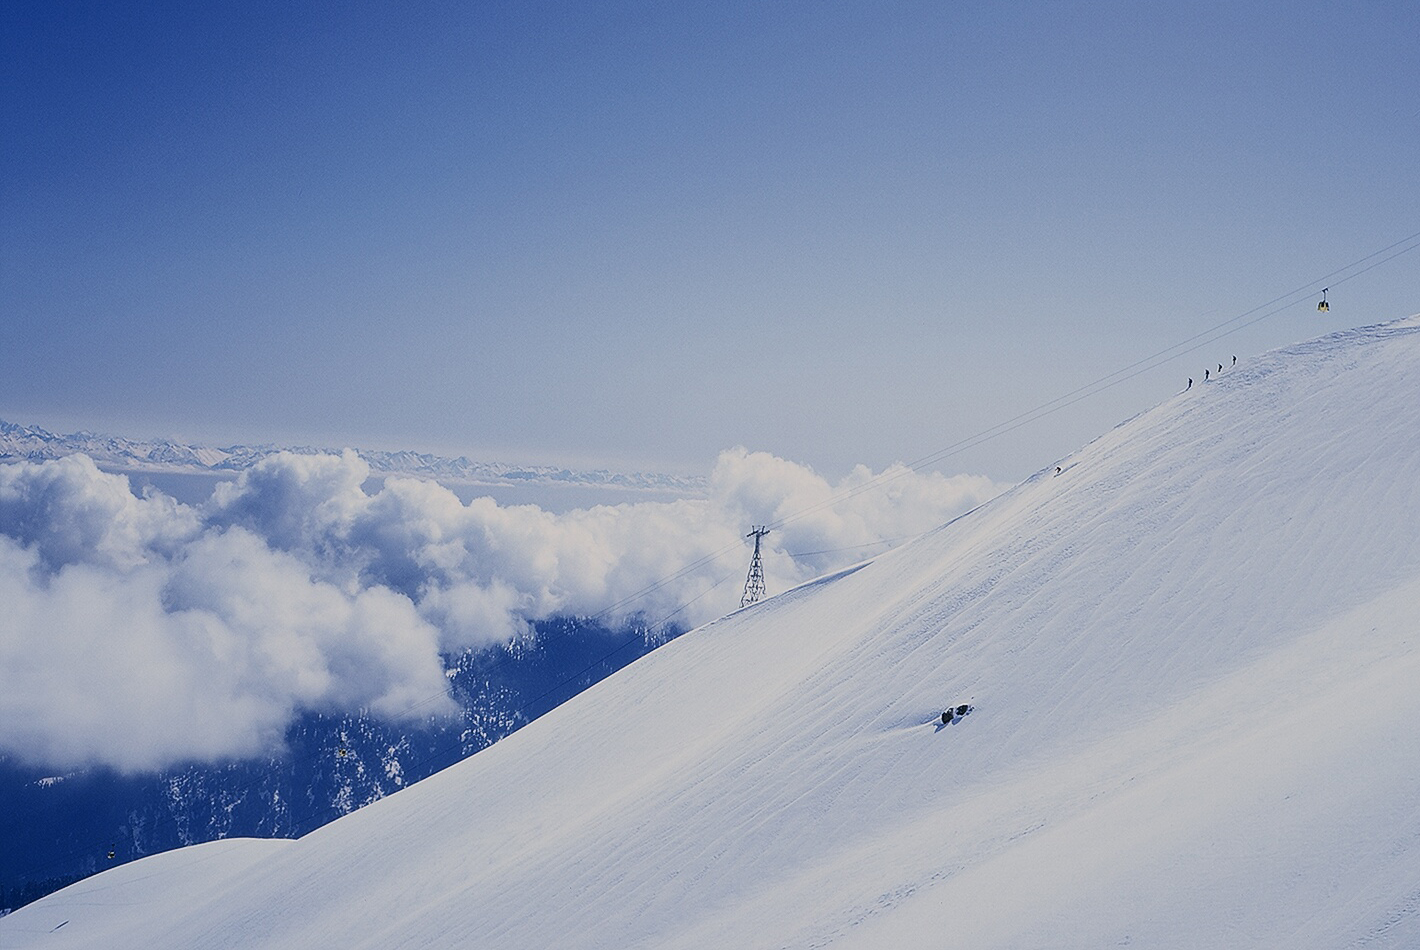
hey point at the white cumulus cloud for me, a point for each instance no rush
(139, 631)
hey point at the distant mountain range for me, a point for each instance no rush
(32, 443)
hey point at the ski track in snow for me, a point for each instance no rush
(1191, 658)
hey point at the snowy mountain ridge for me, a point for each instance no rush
(1191, 658)
(32, 443)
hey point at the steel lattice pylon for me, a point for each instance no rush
(754, 583)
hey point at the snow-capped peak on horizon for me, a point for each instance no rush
(22, 442)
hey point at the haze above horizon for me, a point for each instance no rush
(633, 235)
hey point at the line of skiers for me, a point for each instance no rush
(1207, 374)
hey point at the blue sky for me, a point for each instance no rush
(634, 234)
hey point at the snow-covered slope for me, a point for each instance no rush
(1193, 658)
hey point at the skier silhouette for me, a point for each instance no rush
(1190, 384)
(1205, 375)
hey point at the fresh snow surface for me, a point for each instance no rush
(1193, 658)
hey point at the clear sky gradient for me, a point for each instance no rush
(634, 234)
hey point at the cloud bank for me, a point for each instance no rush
(138, 631)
